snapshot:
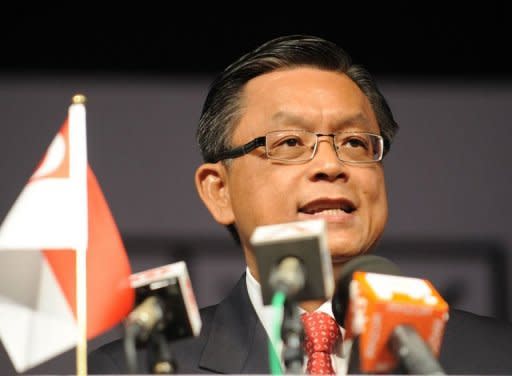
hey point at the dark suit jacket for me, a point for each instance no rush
(233, 341)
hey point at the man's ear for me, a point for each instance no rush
(211, 184)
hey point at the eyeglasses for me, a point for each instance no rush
(296, 146)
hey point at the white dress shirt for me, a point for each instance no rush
(267, 316)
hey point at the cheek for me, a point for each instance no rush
(262, 197)
(372, 188)
(376, 197)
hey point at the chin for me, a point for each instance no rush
(341, 251)
(344, 256)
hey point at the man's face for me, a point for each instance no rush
(351, 198)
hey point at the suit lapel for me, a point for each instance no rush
(237, 342)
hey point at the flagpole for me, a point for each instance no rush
(81, 272)
(81, 301)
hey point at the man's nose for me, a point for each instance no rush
(325, 164)
(326, 148)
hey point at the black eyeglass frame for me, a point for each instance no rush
(240, 151)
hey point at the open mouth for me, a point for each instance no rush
(328, 207)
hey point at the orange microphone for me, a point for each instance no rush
(391, 320)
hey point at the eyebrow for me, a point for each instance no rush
(281, 117)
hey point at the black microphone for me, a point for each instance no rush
(389, 317)
(166, 310)
(293, 258)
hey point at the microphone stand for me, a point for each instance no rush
(414, 354)
(159, 355)
(292, 334)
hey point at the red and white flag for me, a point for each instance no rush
(60, 212)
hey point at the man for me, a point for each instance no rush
(294, 131)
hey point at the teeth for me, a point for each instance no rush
(344, 207)
(328, 212)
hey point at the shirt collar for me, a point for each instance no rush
(267, 317)
(266, 313)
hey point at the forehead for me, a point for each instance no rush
(305, 97)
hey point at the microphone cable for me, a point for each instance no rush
(131, 333)
(278, 306)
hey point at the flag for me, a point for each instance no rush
(60, 212)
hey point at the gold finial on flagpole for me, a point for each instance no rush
(79, 99)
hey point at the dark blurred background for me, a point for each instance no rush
(445, 69)
(427, 39)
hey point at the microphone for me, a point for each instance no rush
(293, 258)
(164, 301)
(166, 310)
(365, 263)
(391, 317)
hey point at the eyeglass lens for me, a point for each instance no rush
(301, 145)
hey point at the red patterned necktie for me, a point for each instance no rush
(321, 333)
